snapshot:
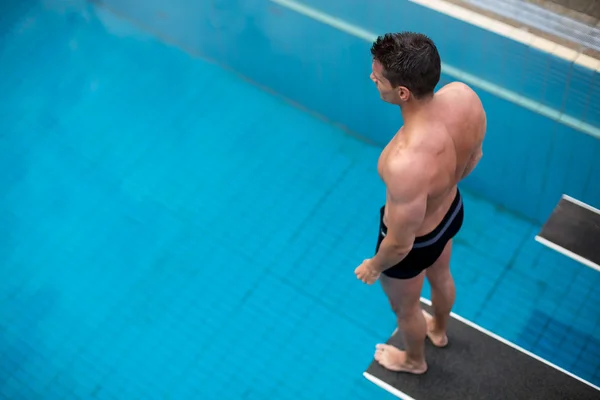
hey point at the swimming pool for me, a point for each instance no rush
(170, 230)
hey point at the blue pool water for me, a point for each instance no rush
(170, 231)
(317, 54)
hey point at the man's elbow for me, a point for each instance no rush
(403, 250)
(403, 247)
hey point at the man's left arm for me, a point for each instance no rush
(407, 187)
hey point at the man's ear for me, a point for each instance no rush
(403, 93)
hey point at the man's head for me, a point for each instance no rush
(406, 66)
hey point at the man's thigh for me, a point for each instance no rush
(403, 294)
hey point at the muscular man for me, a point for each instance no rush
(439, 144)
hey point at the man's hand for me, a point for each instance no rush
(367, 273)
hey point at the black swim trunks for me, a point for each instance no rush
(426, 249)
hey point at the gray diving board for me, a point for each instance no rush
(573, 229)
(477, 364)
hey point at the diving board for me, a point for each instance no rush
(573, 229)
(477, 364)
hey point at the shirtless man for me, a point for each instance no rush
(439, 144)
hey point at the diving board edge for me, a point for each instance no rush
(387, 387)
(561, 249)
(567, 253)
(514, 346)
(580, 203)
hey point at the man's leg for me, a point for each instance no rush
(404, 296)
(443, 294)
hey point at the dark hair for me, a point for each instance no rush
(409, 59)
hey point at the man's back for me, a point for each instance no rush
(460, 109)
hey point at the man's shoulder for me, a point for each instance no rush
(411, 166)
(434, 139)
(458, 87)
(460, 97)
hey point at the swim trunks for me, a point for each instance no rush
(428, 248)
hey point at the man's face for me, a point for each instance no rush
(386, 91)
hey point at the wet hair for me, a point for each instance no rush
(409, 59)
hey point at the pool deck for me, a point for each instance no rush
(586, 14)
(586, 11)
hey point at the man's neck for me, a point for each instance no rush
(411, 110)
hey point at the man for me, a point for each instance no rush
(439, 144)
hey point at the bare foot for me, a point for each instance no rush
(438, 339)
(395, 360)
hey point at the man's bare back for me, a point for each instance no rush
(449, 134)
